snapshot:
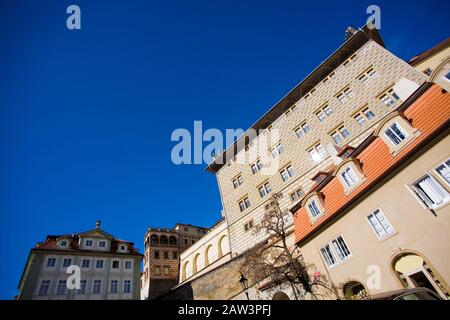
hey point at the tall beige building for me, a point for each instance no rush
(335, 105)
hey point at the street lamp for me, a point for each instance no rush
(244, 283)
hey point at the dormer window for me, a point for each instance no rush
(314, 205)
(350, 174)
(88, 243)
(102, 244)
(396, 132)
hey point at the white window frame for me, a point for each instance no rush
(424, 198)
(446, 164)
(64, 262)
(102, 242)
(277, 150)
(264, 189)
(112, 264)
(114, 284)
(53, 265)
(402, 131)
(335, 254)
(256, 167)
(287, 173)
(317, 212)
(350, 177)
(391, 97)
(126, 283)
(83, 264)
(62, 283)
(96, 283)
(97, 263)
(83, 287)
(41, 292)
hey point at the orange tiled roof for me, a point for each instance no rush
(428, 113)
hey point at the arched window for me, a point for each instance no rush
(353, 290)
(154, 239)
(280, 295)
(172, 241)
(223, 247)
(164, 240)
(413, 271)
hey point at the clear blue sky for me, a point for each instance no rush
(86, 116)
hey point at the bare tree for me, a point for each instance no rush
(279, 262)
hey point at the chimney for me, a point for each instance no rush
(97, 224)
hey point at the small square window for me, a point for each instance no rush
(115, 264)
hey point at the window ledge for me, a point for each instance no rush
(397, 149)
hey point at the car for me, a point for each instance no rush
(407, 294)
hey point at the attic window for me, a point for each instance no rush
(63, 243)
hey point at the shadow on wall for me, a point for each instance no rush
(183, 292)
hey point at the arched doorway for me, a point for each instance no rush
(280, 295)
(413, 271)
(353, 289)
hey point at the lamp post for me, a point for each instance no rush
(244, 283)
